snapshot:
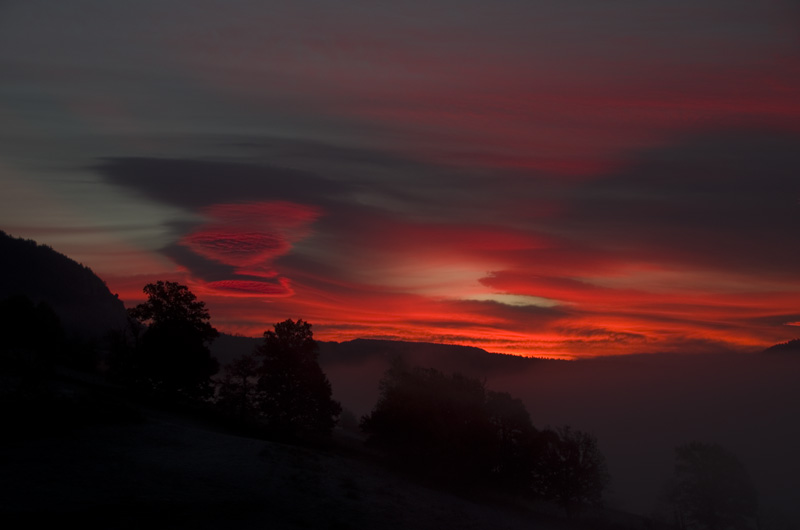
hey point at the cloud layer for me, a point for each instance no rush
(522, 176)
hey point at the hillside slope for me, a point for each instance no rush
(170, 472)
(82, 300)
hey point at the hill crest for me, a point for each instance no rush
(78, 296)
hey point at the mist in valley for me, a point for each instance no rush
(640, 408)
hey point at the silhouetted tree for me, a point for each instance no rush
(450, 427)
(31, 336)
(294, 393)
(569, 468)
(514, 437)
(171, 302)
(238, 391)
(711, 489)
(173, 353)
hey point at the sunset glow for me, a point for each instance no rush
(523, 177)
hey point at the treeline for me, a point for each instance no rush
(451, 428)
(447, 428)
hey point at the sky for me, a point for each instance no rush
(561, 179)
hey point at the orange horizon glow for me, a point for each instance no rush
(613, 327)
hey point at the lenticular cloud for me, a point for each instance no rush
(251, 287)
(239, 249)
(249, 236)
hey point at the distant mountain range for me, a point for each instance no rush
(466, 360)
(79, 297)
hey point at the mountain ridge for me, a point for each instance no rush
(447, 357)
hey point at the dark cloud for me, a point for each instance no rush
(727, 200)
(225, 279)
(308, 172)
(505, 316)
(307, 151)
(609, 334)
(200, 267)
(409, 184)
(781, 319)
(528, 316)
(192, 183)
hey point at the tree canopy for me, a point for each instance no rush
(452, 428)
(711, 489)
(434, 423)
(170, 303)
(569, 468)
(173, 353)
(238, 390)
(294, 395)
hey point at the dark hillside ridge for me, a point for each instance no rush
(786, 348)
(468, 360)
(445, 357)
(81, 300)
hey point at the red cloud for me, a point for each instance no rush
(250, 288)
(248, 236)
(280, 216)
(237, 248)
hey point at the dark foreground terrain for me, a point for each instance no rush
(167, 470)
